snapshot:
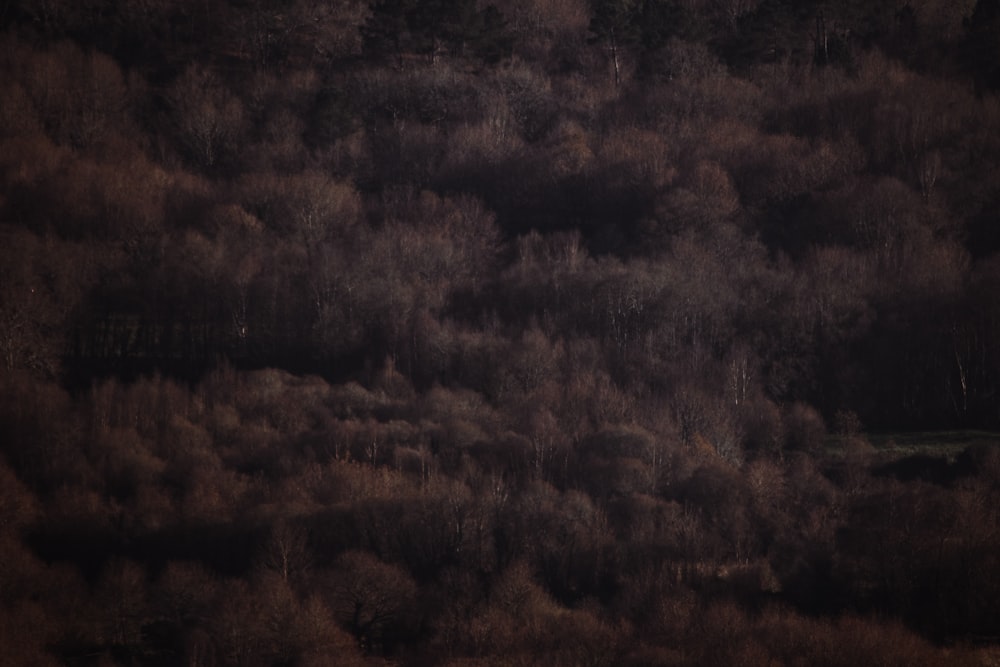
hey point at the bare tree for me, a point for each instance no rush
(208, 118)
(370, 598)
(286, 551)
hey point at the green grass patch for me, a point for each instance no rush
(897, 445)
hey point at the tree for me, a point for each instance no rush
(207, 118)
(443, 25)
(309, 207)
(82, 98)
(123, 599)
(42, 283)
(286, 552)
(730, 12)
(371, 599)
(493, 42)
(277, 33)
(399, 27)
(385, 33)
(616, 24)
(775, 31)
(982, 46)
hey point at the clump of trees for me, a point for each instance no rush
(463, 332)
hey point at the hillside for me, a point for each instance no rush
(450, 332)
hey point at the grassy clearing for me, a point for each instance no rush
(948, 444)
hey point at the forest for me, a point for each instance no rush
(499, 332)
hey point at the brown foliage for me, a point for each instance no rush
(308, 360)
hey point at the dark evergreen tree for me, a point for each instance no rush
(386, 34)
(982, 45)
(494, 41)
